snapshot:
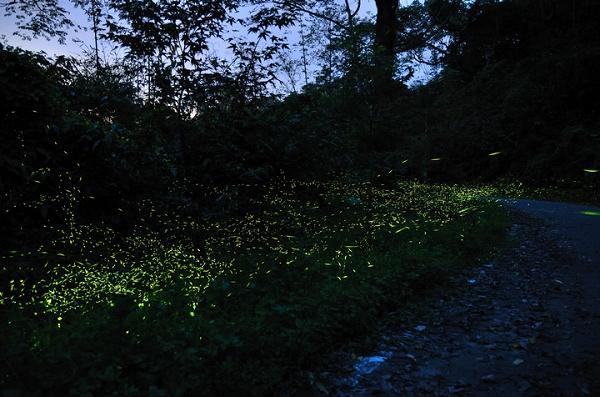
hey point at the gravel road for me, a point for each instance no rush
(524, 324)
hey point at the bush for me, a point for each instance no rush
(268, 296)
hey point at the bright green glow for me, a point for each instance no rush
(590, 213)
(331, 239)
(590, 171)
(215, 281)
(494, 154)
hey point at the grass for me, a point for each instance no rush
(563, 191)
(236, 304)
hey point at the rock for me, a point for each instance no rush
(488, 378)
(518, 361)
(368, 364)
(456, 389)
(429, 372)
(524, 386)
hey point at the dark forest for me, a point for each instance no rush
(180, 223)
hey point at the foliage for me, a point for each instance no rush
(174, 227)
(522, 111)
(259, 297)
(69, 135)
(171, 39)
(35, 18)
(516, 101)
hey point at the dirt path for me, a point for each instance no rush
(526, 324)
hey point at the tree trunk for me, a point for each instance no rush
(383, 74)
(385, 38)
(95, 27)
(178, 135)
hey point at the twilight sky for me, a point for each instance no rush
(77, 40)
(52, 47)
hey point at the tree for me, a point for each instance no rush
(39, 18)
(171, 39)
(339, 20)
(386, 28)
(95, 12)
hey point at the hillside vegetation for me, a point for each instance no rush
(174, 225)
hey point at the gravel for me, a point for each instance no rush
(525, 324)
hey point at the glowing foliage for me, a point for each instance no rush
(342, 224)
(590, 213)
(307, 257)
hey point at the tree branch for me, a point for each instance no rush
(295, 5)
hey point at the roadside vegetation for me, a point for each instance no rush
(242, 304)
(180, 222)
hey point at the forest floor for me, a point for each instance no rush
(525, 324)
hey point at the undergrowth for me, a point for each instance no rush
(259, 299)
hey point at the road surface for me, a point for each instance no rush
(524, 324)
